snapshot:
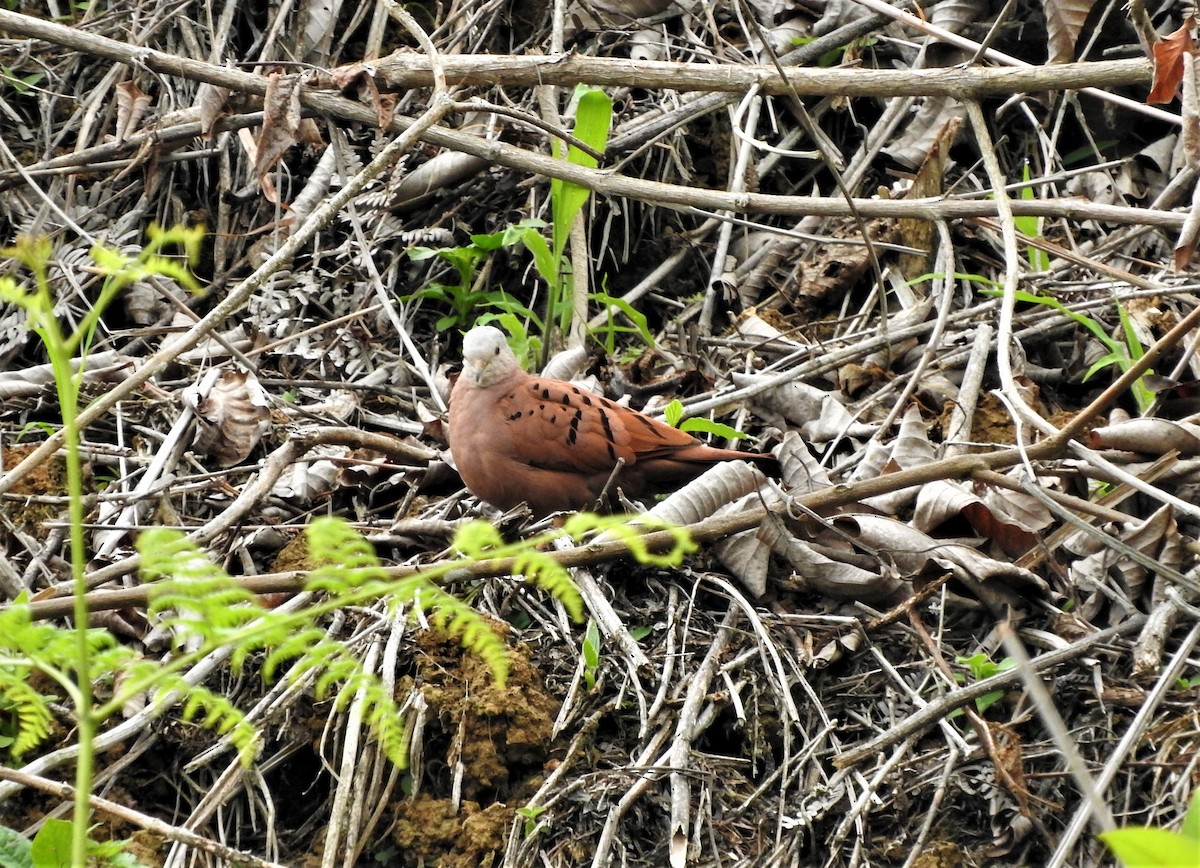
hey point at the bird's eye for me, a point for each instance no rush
(497, 351)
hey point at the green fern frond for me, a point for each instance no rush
(391, 728)
(30, 708)
(50, 648)
(220, 715)
(549, 575)
(167, 554)
(381, 715)
(458, 620)
(478, 540)
(107, 663)
(337, 669)
(306, 643)
(21, 636)
(351, 685)
(345, 558)
(191, 594)
(631, 532)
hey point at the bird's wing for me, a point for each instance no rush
(559, 426)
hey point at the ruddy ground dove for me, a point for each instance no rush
(518, 437)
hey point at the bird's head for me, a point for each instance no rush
(487, 359)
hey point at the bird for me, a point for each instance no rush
(520, 438)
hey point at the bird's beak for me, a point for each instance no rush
(475, 371)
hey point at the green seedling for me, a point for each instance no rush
(958, 275)
(981, 667)
(76, 649)
(1122, 354)
(593, 117)
(19, 83)
(462, 297)
(607, 333)
(673, 413)
(1031, 227)
(591, 654)
(51, 848)
(531, 813)
(1156, 847)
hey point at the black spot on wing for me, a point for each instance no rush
(649, 426)
(608, 431)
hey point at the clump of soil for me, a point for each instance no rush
(494, 740)
(49, 479)
(430, 831)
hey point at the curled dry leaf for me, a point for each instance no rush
(923, 131)
(941, 501)
(914, 313)
(1112, 577)
(447, 169)
(914, 551)
(820, 415)
(281, 125)
(568, 364)
(444, 170)
(748, 556)
(210, 102)
(1169, 54)
(820, 570)
(621, 11)
(1189, 233)
(131, 108)
(875, 462)
(911, 449)
(319, 19)
(957, 15)
(703, 496)
(800, 472)
(338, 405)
(1064, 22)
(786, 35)
(369, 469)
(313, 477)
(1151, 436)
(144, 304)
(755, 327)
(1022, 509)
(232, 418)
(1190, 111)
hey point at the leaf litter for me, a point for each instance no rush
(793, 695)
